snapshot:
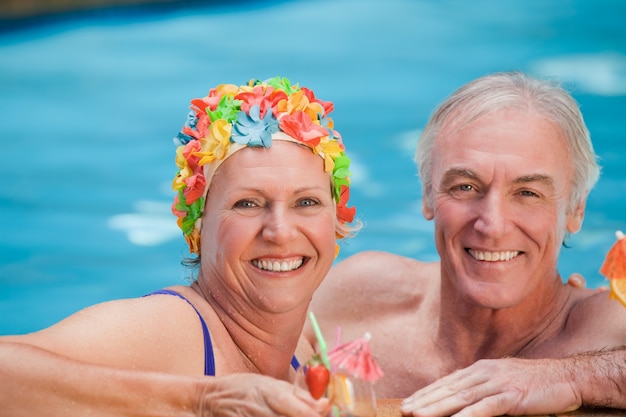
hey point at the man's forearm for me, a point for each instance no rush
(600, 377)
(36, 382)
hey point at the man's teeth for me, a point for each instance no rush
(276, 266)
(493, 256)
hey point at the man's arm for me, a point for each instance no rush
(516, 386)
(600, 377)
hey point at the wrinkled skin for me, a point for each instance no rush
(241, 395)
(496, 387)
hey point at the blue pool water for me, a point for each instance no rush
(88, 107)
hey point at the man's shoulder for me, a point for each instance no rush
(371, 265)
(373, 277)
(593, 322)
(597, 308)
(374, 292)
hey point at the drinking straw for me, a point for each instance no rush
(337, 336)
(320, 340)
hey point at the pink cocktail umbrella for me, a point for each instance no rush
(356, 358)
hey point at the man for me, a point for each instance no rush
(506, 165)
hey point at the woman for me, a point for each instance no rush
(261, 197)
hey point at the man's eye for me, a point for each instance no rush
(528, 193)
(465, 187)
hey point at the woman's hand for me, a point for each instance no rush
(248, 394)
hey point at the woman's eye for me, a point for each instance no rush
(308, 202)
(245, 204)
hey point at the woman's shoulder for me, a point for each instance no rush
(136, 332)
(127, 314)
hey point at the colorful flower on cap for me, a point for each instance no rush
(248, 115)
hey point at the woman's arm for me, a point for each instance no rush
(34, 381)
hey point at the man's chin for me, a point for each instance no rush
(491, 295)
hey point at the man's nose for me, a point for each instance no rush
(492, 217)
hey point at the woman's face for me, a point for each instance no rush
(268, 229)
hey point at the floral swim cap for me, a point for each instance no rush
(233, 117)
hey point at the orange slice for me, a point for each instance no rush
(614, 265)
(614, 268)
(618, 290)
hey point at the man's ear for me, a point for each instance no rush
(427, 210)
(575, 218)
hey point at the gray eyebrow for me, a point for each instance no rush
(545, 179)
(454, 173)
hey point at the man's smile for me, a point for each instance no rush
(493, 256)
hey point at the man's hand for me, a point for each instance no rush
(576, 280)
(498, 386)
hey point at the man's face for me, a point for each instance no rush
(501, 186)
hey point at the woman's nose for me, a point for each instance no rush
(279, 227)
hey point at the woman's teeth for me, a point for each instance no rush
(278, 266)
